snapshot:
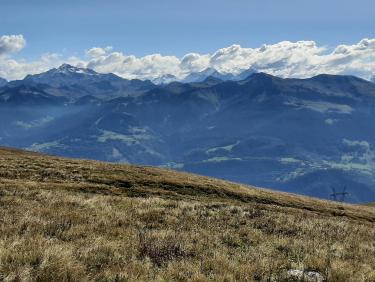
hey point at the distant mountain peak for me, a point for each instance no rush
(165, 79)
(262, 76)
(204, 74)
(73, 81)
(224, 76)
(210, 71)
(212, 79)
(67, 68)
(245, 74)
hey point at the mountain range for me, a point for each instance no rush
(309, 136)
(73, 82)
(211, 72)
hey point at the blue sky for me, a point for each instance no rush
(178, 27)
(149, 39)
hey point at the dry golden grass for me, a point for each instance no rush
(74, 220)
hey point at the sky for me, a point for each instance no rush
(65, 31)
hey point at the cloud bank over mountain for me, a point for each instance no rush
(286, 59)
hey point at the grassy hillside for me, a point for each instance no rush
(74, 220)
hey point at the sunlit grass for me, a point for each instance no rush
(71, 220)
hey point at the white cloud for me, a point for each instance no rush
(194, 62)
(11, 43)
(285, 59)
(97, 51)
(12, 69)
(129, 66)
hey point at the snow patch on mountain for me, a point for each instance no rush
(69, 69)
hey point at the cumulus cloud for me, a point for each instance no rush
(129, 66)
(12, 69)
(286, 59)
(98, 51)
(194, 62)
(11, 43)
